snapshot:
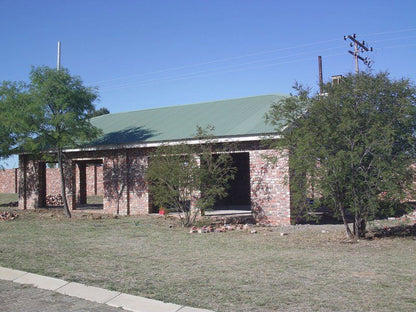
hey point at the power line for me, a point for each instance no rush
(226, 68)
(243, 56)
(219, 60)
(394, 39)
(390, 32)
(398, 46)
(229, 69)
(203, 74)
(223, 69)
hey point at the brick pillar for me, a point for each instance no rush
(115, 179)
(138, 190)
(99, 180)
(95, 180)
(70, 183)
(32, 183)
(22, 182)
(196, 195)
(270, 189)
(82, 183)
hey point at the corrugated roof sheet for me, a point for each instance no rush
(234, 117)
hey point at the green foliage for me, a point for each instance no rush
(60, 105)
(352, 146)
(50, 112)
(46, 116)
(188, 178)
(13, 99)
(393, 208)
(98, 112)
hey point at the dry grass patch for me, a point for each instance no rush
(310, 269)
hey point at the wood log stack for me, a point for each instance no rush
(223, 228)
(6, 215)
(54, 200)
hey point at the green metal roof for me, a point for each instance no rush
(230, 118)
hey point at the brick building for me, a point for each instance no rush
(9, 180)
(128, 139)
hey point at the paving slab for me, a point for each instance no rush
(16, 297)
(140, 304)
(44, 282)
(88, 292)
(189, 309)
(10, 274)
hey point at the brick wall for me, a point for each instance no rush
(53, 181)
(94, 180)
(125, 191)
(9, 180)
(270, 190)
(120, 178)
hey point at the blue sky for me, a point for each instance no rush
(145, 54)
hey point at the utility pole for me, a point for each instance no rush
(359, 47)
(58, 61)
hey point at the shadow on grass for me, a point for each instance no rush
(404, 230)
(11, 204)
(78, 207)
(90, 207)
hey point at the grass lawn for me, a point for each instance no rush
(311, 269)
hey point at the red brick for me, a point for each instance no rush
(121, 180)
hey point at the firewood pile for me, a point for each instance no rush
(224, 228)
(6, 216)
(54, 200)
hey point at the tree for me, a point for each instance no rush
(50, 113)
(98, 112)
(353, 146)
(188, 178)
(13, 99)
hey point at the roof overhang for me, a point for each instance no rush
(239, 139)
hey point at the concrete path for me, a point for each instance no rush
(16, 297)
(28, 292)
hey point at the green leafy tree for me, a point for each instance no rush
(13, 99)
(353, 147)
(50, 114)
(98, 112)
(189, 178)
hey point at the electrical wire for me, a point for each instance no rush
(107, 85)
(226, 69)
(221, 60)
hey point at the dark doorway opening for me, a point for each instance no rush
(238, 197)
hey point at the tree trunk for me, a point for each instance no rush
(359, 225)
(61, 170)
(350, 235)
